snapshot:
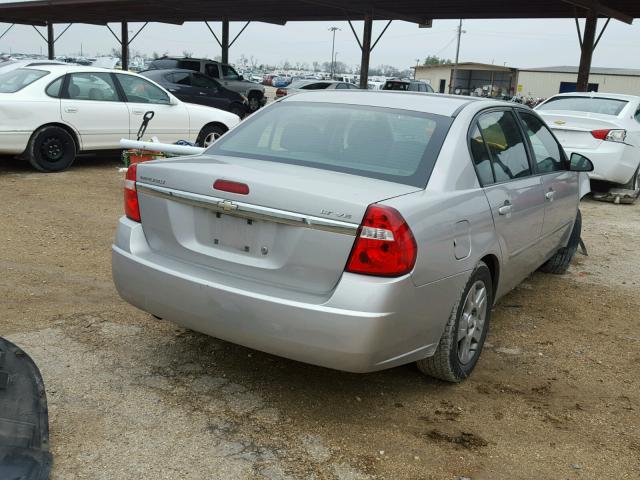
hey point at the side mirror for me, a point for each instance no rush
(173, 100)
(580, 163)
(240, 77)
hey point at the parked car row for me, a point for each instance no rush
(50, 113)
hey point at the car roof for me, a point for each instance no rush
(160, 71)
(436, 103)
(615, 96)
(67, 68)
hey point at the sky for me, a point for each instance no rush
(516, 43)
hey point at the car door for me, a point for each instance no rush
(231, 79)
(560, 186)
(207, 92)
(92, 105)
(514, 193)
(170, 122)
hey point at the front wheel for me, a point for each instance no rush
(463, 338)
(51, 149)
(210, 134)
(254, 101)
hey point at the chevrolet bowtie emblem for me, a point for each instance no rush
(227, 205)
(559, 122)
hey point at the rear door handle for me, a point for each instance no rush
(70, 109)
(505, 209)
(550, 195)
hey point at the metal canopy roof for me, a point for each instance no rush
(418, 11)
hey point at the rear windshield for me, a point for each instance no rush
(387, 144)
(604, 106)
(16, 80)
(403, 86)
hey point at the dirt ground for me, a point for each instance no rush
(556, 394)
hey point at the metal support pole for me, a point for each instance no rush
(50, 41)
(7, 30)
(588, 42)
(366, 51)
(454, 73)
(124, 41)
(225, 41)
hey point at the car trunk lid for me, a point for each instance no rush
(294, 229)
(574, 131)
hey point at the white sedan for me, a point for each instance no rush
(49, 113)
(604, 127)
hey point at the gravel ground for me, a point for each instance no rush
(555, 395)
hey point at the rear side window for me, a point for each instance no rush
(396, 86)
(16, 80)
(92, 86)
(181, 78)
(212, 70)
(481, 158)
(315, 86)
(604, 106)
(388, 144)
(546, 150)
(189, 65)
(54, 88)
(504, 141)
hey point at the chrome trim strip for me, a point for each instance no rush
(249, 211)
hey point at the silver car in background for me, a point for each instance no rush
(353, 230)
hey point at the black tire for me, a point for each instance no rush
(559, 263)
(209, 133)
(51, 149)
(255, 99)
(634, 183)
(446, 363)
(238, 110)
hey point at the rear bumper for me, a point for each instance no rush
(612, 162)
(365, 324)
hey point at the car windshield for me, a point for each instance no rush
(16, 80)
(604, 106)
(388, 144)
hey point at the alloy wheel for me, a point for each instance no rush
(472, 322)
(210, 138)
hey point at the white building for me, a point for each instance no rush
(529, 82)
(545, 82)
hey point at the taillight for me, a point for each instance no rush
(615, 135)
(131, 206)
(232, 187)
(281, 92)
(384, 245)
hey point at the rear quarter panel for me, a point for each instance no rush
(451, 217)
(21, 115)
(199, 116)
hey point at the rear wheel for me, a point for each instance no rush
(51, 149)
(463, 338)
(560, 261)
(209, 134)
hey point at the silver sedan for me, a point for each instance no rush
(353, 230)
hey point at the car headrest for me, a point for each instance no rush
(96, 94)
(298, 137)
(74, 90)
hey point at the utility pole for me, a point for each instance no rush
(333, 48)
(455, 66)
(415, 72)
